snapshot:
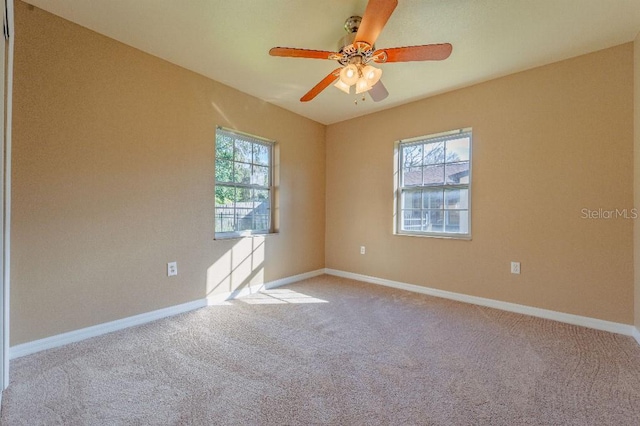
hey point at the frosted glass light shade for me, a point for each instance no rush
(344, 87)
(349, 75)
(362, 85)
(371, 74)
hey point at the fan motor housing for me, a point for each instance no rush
(345, 41)
(349, 52)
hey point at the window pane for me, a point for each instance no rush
(432, 198)
(261, 207)
(412, 220)
(244, 198)
(434, 175)
(242, 173)
(244, 219)
(452, 221)
(464, 221)
(457, 172)
(434, 153)
(458, 149)
(224, 220)
(260, 195)
(243, 151)
(262, 221)
(412, 200)
(457, 221)
(261, 154)
(433, 221)
(412, 156)
(456, 198)
(261, 210)
(225, 195)
(224, 147)
(412, 176)
(224, 171)
(260, 176)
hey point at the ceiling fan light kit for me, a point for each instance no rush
(364, 77)
(356, 51)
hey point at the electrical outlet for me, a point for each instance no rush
(515, 267)
(363, 250)
(172, 269)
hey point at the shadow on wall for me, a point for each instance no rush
(239, 268)
(240, 271)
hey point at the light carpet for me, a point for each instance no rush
(334, 351)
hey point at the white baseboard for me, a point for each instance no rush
(594, 323)
(100, 329)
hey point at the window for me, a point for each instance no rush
(244, 176)
(434, 184)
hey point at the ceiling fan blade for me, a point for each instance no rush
(291, 52)
(427, 52)
(374, 19)
(333, 76)
(378, 92)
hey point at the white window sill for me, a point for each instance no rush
(238, 236)
(464, 237)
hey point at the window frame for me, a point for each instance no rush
(400, 189)
(254, 140)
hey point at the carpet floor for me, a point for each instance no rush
(333, 351)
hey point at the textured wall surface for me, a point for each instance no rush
(113, 172)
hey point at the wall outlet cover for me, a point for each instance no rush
(172, 269)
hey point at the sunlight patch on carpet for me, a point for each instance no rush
(279, 296)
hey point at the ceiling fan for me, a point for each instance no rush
(356, 52)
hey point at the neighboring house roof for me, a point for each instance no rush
(434, 175)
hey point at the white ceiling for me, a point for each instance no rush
(229, 41)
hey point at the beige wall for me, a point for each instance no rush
(546, 143)
(636, 175)
(113, 154)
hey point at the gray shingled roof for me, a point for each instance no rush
(433, 175)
